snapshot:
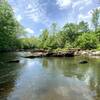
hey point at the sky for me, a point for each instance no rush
(36, 15)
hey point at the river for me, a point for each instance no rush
(49, 78)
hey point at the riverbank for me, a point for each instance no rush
(46, 53)
(88, 53)
(64, 53)
(34, 53)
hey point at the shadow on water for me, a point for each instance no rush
(8, 74)
(49, 79)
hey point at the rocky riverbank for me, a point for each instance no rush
(89, 53)
(68, 53)
(40, 53)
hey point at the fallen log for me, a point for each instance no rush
(13, 61)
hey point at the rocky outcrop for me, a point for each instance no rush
(89, 53)
(68, 53)
(95, 53)
(51, 54)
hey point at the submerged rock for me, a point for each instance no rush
(13, 61)
(83, 62)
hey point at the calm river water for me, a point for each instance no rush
(49, 78)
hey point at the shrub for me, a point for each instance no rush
(87, 41)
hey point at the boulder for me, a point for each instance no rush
(83, 62)
(95, 53)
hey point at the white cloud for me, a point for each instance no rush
(77, 3)
(80, 3)
(29, 30)
(90, 12)
(86, 18)
(14, 9)
(19, 17)
(41, 30)
(87, 2)
(81, 8)
(29, 6)
(98, 8)
(63, 4)
(34, 16)
(36, 12)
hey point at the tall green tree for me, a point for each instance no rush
(95, 18)
(53, 29)
(43, 38)
(9, 27)
(83, 27)
(71, 32)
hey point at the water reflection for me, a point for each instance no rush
(89, 73)
(50, 79)
(37, 83)
(8, 74)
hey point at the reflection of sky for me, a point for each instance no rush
(36, 15)
(36, 83)
(88, 75)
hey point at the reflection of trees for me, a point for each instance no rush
(89, 73)
(8, 74)
(45, 63)
(5, 89)
(95, 83)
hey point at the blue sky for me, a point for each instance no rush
(35, 15)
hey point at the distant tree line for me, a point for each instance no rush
(71, 35)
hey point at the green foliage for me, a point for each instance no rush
(98, 47)
(68, 45)
(71, 32)
(60, 50)
(9, 27)
(83, 27)
(95, 18)
(28, 43)
(43, 38)
(87, 41)
(70, 36)
(98, 33)
(53, 28)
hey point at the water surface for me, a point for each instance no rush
(49, 78)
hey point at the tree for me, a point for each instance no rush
(53, 28)
(9, 27)
(87, 41)
(83, 27)
(95, 18)
(28, 43)
(71, 32)
(43, 37)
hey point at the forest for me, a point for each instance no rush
(71, 35)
